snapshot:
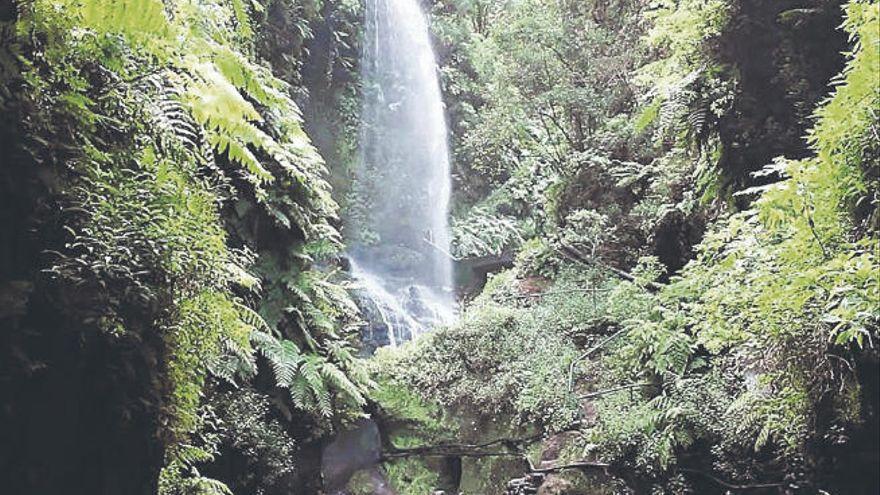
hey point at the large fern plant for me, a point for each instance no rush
(173, 127)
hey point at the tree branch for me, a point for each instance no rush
(732, 486)
(472, 449)
(573, 465)
(588, 354)
(463, 449)
(554, 292)
(574, 254)
(607, 391)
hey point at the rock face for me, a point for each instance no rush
(79, 408)
(555, 484)
(85, 420)
(580, 483)
(369, 481)
(566, 481)
(552, 448)
(354, 450)
(527, 485)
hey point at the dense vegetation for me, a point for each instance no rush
(165, 212)
(697, 305)
(689, 189)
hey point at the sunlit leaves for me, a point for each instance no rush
(139, 19)
(483, 234)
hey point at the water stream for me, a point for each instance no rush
(399, 239)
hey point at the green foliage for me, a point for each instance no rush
(410, 477)
(587, 228)
(688, 88)
(530, 83)
(685, 31)
(510, 355)
(247, 426)
(194, 217)
(310, 378)
(773, 291)
(535, 258)
(782, 417)
(793, 257)
(750, 347)
(180, 476)
(482, 234)
(195, 484)
(410, 419)
(206, 322)
(649, 433)
(136, 19)
(660, 348)
(399, 402)
(174, 152)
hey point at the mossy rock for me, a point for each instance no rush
(368, 482)
(489, 475)
(579, 483)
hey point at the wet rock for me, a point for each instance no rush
(527, 485)
(555, 484)
(553, 447)
(367, 482)
(351, 451)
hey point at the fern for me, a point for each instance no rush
(310, 372)
(301, 394)
(139, 19)
(309, 378)
(340, 381)
(145, 97)
(241, 73)
(172, 121)
(233, 362)
(201, 485)
(483, 233)
(242, 19)
(229, 119)
(283, 356)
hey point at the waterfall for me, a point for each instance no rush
(397, 223)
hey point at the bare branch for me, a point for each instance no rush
(615, 389)
(573, 253)
(588, 354)
(573, 465)
(732, 486)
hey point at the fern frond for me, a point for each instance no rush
(338, 379)
(300, 394)
(135, 18)
(242, 18)
(190, 455)
(229, 119)
(283, 356)
(233, 362)
(253, 319)
(248, 77)
(176, 129)
(311, 372)
(208, 486)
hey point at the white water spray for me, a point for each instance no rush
(402, 187)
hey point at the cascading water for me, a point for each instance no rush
(398, 220)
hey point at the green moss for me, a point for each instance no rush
(489, 476)
(361, 483)
(411, 477)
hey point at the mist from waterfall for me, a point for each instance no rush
(400, 246)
